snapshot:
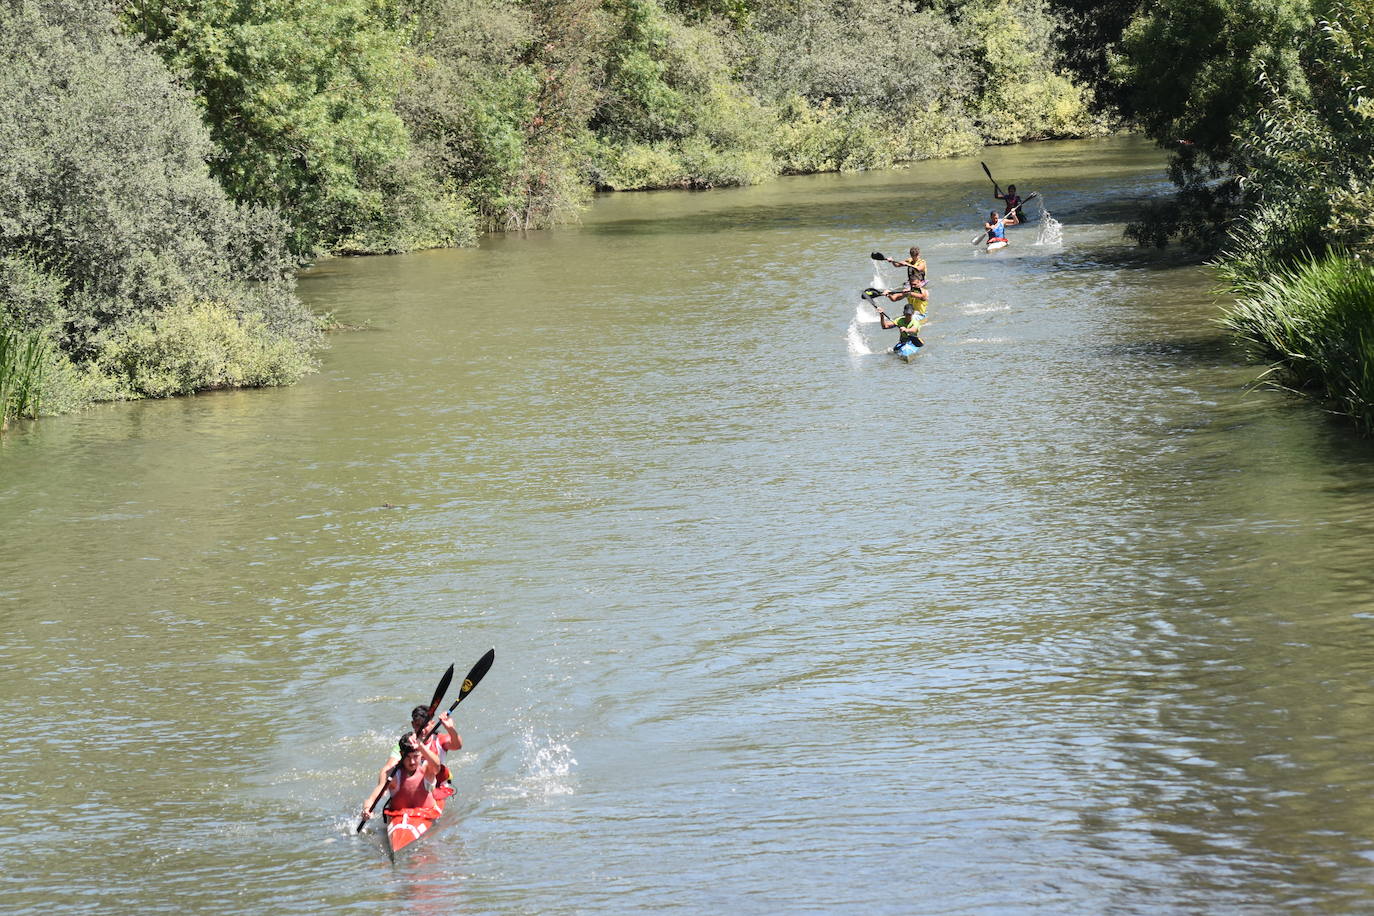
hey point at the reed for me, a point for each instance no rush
(23, 358)
(1314, 322)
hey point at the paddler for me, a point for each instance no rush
(1013, 215)
(413, 782)
(909, 324)
(439, 744)
(915, 269)
(996, 227)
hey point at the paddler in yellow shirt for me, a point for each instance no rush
(915, 268)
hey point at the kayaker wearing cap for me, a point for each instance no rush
(915, 268)
(909, 324)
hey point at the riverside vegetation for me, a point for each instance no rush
(169, 163)
(1267, 106)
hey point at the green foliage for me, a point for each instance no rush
(299, 98)
(1193, 67)
(30, 297)
(1022, 96)
(496, 113)
(1315, 324)
(23, 358)
(197, 346)
(108, 214)
(866, 85)
(736, 12)
(1089, 34)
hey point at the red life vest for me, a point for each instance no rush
(411, 791)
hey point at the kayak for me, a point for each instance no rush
(906, 351)
(995, 244)
(406, 825)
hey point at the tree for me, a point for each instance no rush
(110, 221)
(299, 97)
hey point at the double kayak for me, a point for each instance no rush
(406, 825)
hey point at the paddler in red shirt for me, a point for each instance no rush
(1013, 200)
(412, 785)
(412, 781)
(439, 744)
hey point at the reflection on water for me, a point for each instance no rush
(1061, 617)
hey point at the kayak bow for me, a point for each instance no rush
(906, 351)
(406, 825)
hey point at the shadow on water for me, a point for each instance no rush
(1214, 350)
(1123, 257)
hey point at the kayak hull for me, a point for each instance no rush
(997, 244)
(906, 351)
(406, 825)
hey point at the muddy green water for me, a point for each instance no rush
(1059, 618)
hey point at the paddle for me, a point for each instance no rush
(878, 256)
(478, 672)
(995, 186)
(433, 706)
(873, 292)
(1029, 197)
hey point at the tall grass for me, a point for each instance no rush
(23, 358)
(1314, 322)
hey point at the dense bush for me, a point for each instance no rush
(108, 214)
(195, 346)
(1315, 324)
(521, 106)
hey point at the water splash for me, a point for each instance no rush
(1051, 230)
(854, 337)
(546, 767)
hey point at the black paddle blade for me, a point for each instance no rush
(870, 293)
(878, 256)
(478, 672)
(440, 691)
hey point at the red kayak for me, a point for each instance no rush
(406, 825)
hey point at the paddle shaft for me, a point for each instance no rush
(478, 672)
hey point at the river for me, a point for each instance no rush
(1063, 617)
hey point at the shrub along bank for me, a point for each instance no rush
(125, 269)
